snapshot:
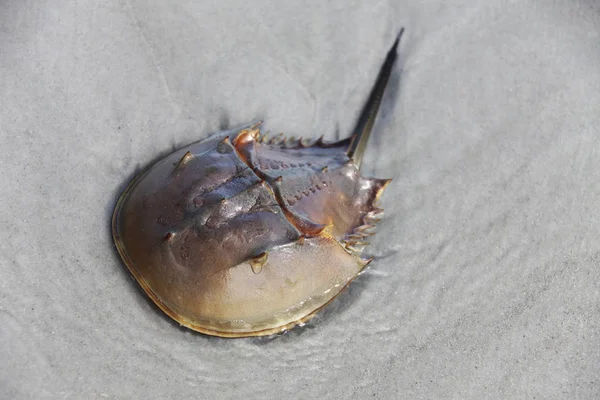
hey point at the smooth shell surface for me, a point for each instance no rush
(237, 235)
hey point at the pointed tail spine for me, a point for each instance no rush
(365, 122)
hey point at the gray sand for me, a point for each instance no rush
(486, 276)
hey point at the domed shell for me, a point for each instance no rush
(239, 236)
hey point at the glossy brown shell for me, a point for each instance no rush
(237, 235)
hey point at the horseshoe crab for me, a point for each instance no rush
(241, 235)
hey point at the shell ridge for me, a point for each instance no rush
(245, 149)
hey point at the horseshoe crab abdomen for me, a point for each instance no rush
(314, 182)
